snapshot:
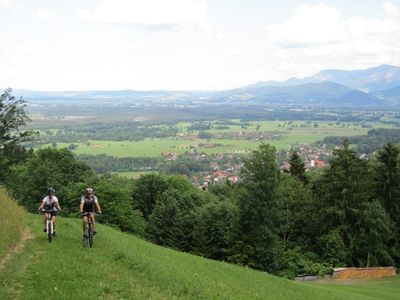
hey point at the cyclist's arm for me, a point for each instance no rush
(81, 207)
(41, 205)
(98, 207)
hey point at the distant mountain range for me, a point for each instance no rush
(375, 86)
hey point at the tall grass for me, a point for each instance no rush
(12, 222)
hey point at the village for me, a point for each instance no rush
(224, 167)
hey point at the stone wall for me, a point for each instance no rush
(363, 273)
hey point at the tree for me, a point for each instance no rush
(173, 219)
(344, 189)
(256, 235)
(146, 189)
(114, 194)
(48, 167)
(214, 229)
(295, 211)
(388, 181)
(12, 118)
(297, 167)
(374, 232)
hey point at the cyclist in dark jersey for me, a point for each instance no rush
(88, 204)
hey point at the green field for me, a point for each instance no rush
(121, 266)
(290, 134)
(133, 174)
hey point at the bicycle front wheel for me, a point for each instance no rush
(90, 235)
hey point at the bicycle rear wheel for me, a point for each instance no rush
(49, 231)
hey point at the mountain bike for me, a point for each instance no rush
(49, 224)
(89, 228)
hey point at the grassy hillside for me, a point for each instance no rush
(12, 222)
(121, 266)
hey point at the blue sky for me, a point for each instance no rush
(189, 44)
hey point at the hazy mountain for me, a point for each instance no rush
(372, 79)
(328, 87)
(390, 94)
(319, 93)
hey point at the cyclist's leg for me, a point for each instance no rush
(93, 223)
(53, 218)
(84, 222)
(45, 222)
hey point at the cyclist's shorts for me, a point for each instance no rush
(53, 213)
(86, 213)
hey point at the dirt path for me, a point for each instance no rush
(25, 236)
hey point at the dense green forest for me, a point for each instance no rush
(369, 143)
(283, 223)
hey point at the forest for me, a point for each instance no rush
(285, 223)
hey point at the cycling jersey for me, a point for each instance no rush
(50, 203)
(89, 203)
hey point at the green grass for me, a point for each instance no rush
(387, 288)
(133, 174)
(12, 222)
(121, 266)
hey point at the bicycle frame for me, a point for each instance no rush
(49, 224)
(89, 228)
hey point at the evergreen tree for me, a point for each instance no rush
(173, 219)
(388, 181)
(344, 188)
(373, 234)
(297, 167)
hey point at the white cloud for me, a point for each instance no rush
(9, 5)
(392, 10)
(318, 36)
(310, 25)
(149, 13)
(45, 13)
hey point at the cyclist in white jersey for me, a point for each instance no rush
(50, 202)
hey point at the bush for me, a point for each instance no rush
(294, 262)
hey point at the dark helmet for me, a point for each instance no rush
(51, 191)
(88, 190)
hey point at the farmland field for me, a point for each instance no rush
(132, 174)
(287, 134)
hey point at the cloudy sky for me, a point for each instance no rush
(189, 44)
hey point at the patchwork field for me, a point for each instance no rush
(286, 135)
